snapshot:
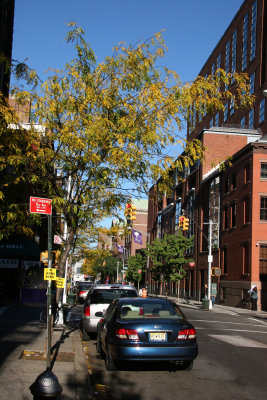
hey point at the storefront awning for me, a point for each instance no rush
(20, 248)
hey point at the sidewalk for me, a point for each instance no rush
(22, 346)
(23, 341)
(218, 308)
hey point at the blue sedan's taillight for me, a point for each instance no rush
(186, 334)
(130, 334)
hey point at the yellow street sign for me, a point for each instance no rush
(60, 283)
(50, 274)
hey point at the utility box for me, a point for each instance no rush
(205, 304)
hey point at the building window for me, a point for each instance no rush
(245, 42)
(251, 119)
(225, 218)
(263, 208)
(263, 259)
(224, 261)
(246, 211)
(178, 213)
(216, 119)
(226, 184)
(264, 170)
(234, 52)
(159, 226)
(233, 215)
(227, 60)
(246, 259)
(252, 83)
(190, 212)
(253, 31)
(214, 210)
(225, 113)
(247, 174)
(219, 61)
(262, 111)
(243, 122)
(232, 106)
(213, 69)
(233, 181)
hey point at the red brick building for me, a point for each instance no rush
(139, 225)
(233, 199)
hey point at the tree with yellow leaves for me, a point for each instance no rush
(106, 125)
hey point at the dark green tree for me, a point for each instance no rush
(107, 266)
(135, 263)
(168, 256)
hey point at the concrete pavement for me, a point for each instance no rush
(22, 344)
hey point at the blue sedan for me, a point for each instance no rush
(146, 329)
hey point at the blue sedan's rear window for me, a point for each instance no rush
(149, 310)
(106, 296)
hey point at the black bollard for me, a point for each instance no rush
(46, 386)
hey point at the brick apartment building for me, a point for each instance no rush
(234, 199)
(139, 225)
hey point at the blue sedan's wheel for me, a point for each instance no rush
(188, 365)
(99, 347)
(110, 365)
(86, 337)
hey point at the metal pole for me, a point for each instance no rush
(118, 263)
(210, 259)
(147, 262)
(49, 296)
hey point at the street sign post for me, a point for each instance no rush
(44, 206)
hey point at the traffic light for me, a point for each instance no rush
(128, 213)
(185, 224)
(133, 213)
(181, 219)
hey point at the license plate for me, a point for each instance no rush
(157, 336)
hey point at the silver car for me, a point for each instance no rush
(97, 301)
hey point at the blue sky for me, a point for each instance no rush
(192, 29)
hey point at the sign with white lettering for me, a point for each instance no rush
(8, 263)
(40, 205)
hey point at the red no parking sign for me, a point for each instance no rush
(40, 206)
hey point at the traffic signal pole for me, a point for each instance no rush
(183, 223)
(210, 259)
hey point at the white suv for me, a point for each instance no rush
(97, 301)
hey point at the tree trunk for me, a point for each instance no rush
(63, 260)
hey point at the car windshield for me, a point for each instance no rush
(149, 309)
(106, 296)
(86, 285)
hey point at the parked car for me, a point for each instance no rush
(98, 300)
(82, 290)
(146, 329)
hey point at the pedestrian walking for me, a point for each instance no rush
(254, 298)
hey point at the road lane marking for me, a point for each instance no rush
(239, 341)
(228, 322)
(259, 321)
(232, 330)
